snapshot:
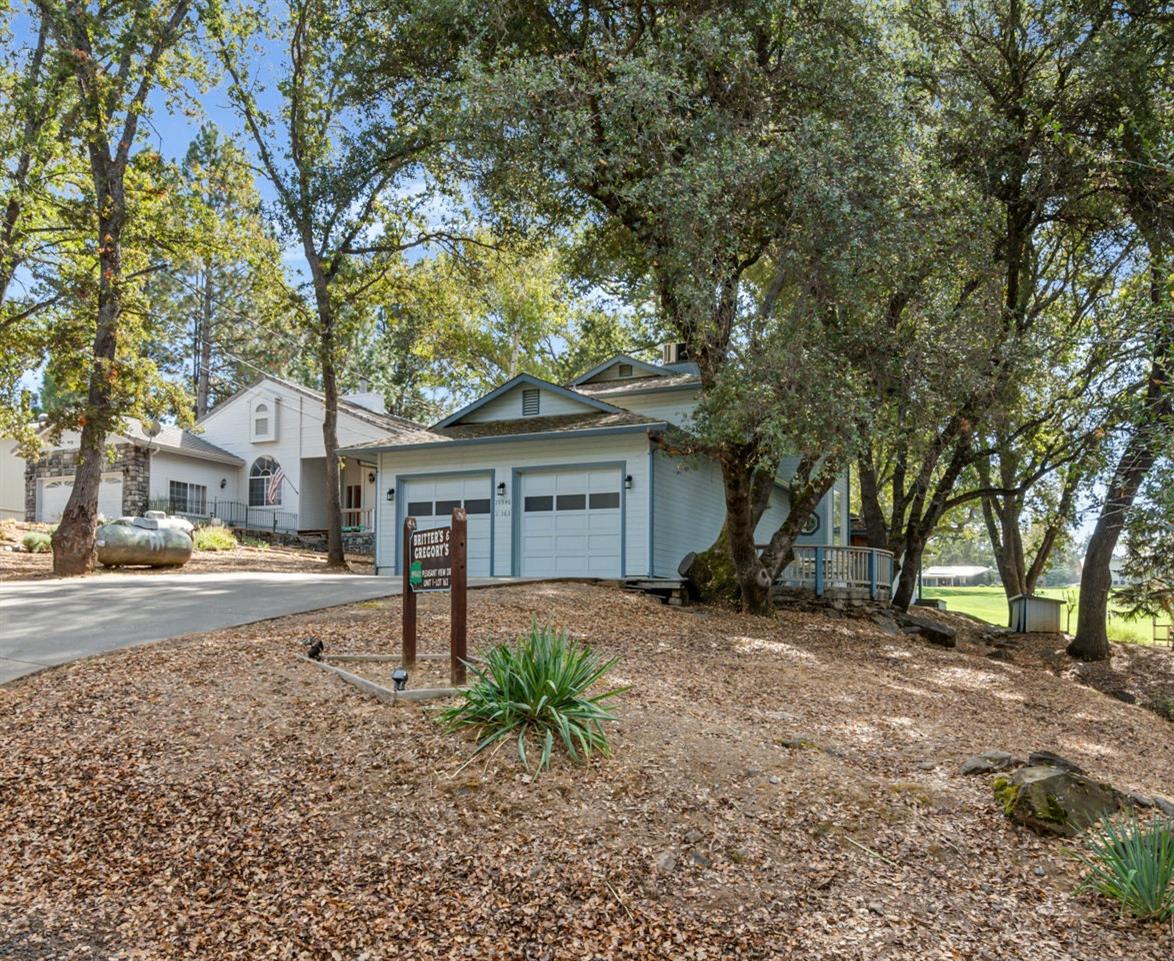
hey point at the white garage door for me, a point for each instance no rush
(55, 493)
(571, 525)
(431, 501)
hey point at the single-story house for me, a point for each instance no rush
(257, 460)
(956, 575)
(570, 480)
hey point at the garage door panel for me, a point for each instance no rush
(571, 523)
(56, 491)
(431, 500)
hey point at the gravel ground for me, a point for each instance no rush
(781, 788)
(19, 566)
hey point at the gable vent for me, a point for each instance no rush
(623, 370)
(529, 402)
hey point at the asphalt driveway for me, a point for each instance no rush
(43, 623)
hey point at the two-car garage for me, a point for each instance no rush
(562, 522)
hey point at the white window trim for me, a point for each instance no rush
(267, 408)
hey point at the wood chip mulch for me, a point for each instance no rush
(781, 788)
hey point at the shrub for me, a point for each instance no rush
(214, 539)
(37, 542)
(537, 688)
(256, 542)
(1133, 864)
(1163, 704)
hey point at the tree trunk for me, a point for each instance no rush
(204, 347)
(713, 572)
(1091, 642)
(73, 541)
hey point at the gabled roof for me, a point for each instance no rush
(179, 441)
(517, 428)
(385, 421)
(532, 381)
(653, 369)
(669, 380)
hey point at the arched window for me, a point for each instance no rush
(261, 420)
(266, 478)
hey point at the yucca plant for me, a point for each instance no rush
(1133, 864)
(536, 689)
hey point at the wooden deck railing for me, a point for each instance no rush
(823, 567)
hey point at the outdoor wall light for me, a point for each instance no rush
(628, 482)
(391, 495)
(501, 489)
(399, 677)
(223, 482)
(371, 477)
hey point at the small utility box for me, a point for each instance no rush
(1034, 614)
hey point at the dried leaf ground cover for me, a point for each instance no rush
(18, 566)
(215, 798)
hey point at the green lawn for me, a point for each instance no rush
(990, 604)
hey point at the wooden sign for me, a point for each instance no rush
(437, 560)
(430, 560)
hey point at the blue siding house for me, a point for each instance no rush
(568, 481)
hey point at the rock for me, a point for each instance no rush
(692, 836)
(799, 743)
(699, 859)
(987, 763)
(1121, 694)
(876, 907)
(1053, 760)
(926, 765)
(931, 630)
(1039, 871)
(665, 863)
(1000, 654)
(886, 624)
(1137, 799)
(753, 771)
(1165, 806)
(775, 779)
(1054, 800)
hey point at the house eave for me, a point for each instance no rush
(505, 438)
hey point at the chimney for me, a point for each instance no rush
(368, 399)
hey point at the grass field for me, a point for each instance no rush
(990, 604)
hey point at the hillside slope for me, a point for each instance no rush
(781, 788)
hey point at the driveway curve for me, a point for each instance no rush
(45, 623)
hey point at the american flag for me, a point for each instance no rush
(273, 491)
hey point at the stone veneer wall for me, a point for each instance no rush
(133, 462)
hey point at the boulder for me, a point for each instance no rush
(1053, 800)
(987, 763)
(931, 630)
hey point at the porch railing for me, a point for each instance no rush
(823, 567)
(358, 518)
(233, 513)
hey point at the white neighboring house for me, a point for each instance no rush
(145, 467)
(570, 481)
(274, 427)
(256, 461)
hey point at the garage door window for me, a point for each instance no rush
(608, 500)
(420, 508)
(541, 503)
(571, 502)
(478, 505)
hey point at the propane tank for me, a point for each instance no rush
(123, 543)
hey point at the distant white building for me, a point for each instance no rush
(956, 575)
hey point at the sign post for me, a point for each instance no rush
(437, 560)
(457, 614)
(408, 652)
